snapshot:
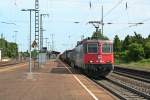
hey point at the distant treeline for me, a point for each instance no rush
(9, 49)
(132, 48)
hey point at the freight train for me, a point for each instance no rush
(94, 57)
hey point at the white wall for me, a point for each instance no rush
(42, 58)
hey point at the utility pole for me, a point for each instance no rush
(52, 37)
(37, 28)
(97, 23)
(1, 35)
(41, 29)
(49, 45)
(37, 22)
(16, 44)
(102, 22)
(82, 37)
(15, 36)
(30, 64)
(46, 41)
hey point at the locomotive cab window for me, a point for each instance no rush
(107, 48)
(92, 48)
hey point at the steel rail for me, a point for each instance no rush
(121, 90)
(10, 63)
(133, 72)
(133, 76)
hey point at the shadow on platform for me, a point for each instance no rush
(61, 70)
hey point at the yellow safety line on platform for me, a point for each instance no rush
(90, 92)
(10, 68)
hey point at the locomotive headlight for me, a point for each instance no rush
(91, 61)
(101, 61)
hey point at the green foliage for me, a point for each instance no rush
(136, 52)
(149, 36)
(144, 61)
(25, 54)
(127, 41)
(140, 65)
(132, 48)
(98, 35)
(34, 53)
(147, 48)
(117, 44)
(121, 57)
(9, 49)
(137, 38)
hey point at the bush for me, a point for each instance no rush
(136, 52)
(147, 49)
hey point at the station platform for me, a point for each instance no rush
(54, 81)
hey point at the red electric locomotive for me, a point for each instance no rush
(95, 57)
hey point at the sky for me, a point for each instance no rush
(63, 14)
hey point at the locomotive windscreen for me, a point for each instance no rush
(92, 48)
(107, 48)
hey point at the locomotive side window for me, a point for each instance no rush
(92, 48)
(107, 48)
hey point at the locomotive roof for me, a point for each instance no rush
(93, 40)
(97, 41)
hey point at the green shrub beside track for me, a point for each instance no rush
(141, 65)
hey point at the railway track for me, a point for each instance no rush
(10, 63)
(126, 88)
(137, 74)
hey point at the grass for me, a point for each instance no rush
(141, 65)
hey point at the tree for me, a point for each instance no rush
(26, 54)
(9, 49)
(137, 38)
(149, 36)
(147, 48)
(135, 52)
(127, 41)
(12, 50)
(34, 54)
(98, 35)
(3, 46)
(117, 44)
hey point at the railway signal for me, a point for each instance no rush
(34, 44)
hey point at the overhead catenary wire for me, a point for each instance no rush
(141, 22)
(126, 8)
(113, 8)
(134, 25)
(145, 20)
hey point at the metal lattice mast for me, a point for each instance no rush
(102, 21)
(52, 36)
(37, 22)
(37, 27)
(41, 33)
(41, 30)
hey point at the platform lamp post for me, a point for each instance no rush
(30, 66)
